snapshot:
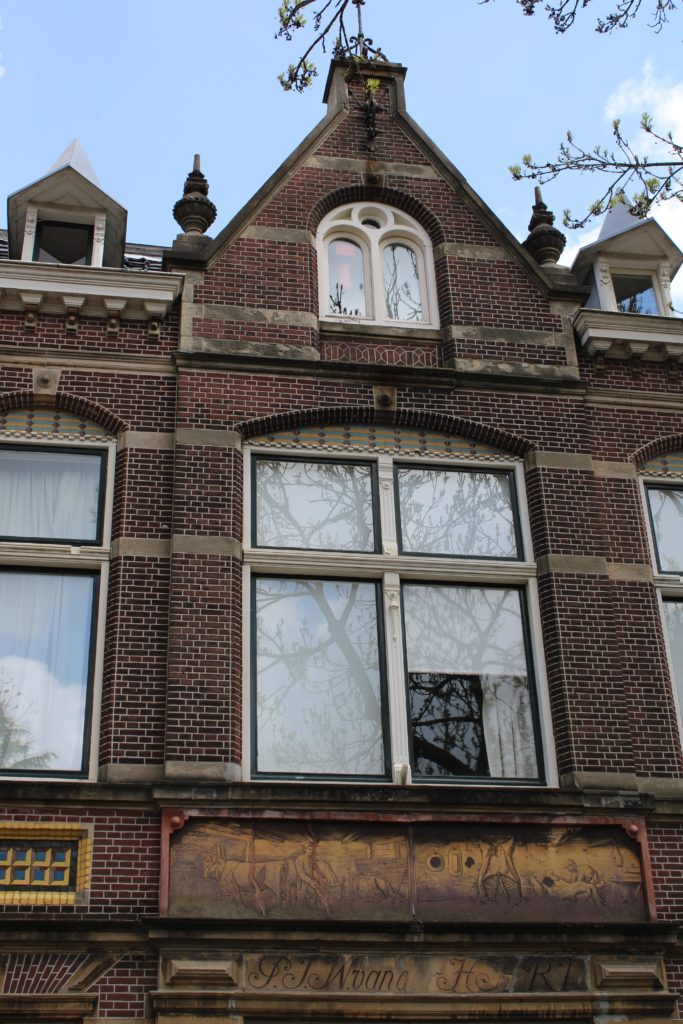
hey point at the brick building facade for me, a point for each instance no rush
(342, 588)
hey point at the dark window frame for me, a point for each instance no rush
(100, 453)
(514, 499)
(374, 491)
(652, 485)
(383, 685)
(478, 780)
(96, 576)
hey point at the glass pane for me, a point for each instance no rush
(44, 660)
(635, 294)
(49, 495)
(347, 278)
(666, 506)
(318, 703)
(468, 683)
(401, 283)
(314, 505)
(63, 243)
(673, 621)
(450, 512)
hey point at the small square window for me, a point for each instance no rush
(635, 293)
(58, 242)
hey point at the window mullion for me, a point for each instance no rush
(395, 669)
(387, 512)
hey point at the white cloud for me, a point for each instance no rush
(662, 99)
(52, 712)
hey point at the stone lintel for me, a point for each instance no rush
(591, 565)
(255, 315)
(138, 773)
(559, 460)
(140, 547)
(461, 250)
(362, 166)
(381, 332)
(265, 233)
(209, 438)
(630, 572)
(512, 335)
(239, 347)
(150, 440)
(203, 771)
(604, 469)
(607, 469)
(622, 782)
(185, 544)
(537, 371)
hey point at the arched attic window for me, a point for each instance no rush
(376, 266)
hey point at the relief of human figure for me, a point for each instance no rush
(498, 875)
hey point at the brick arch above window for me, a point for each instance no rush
(80, 409)
(661, 449)
(343, 416)
(372, 194)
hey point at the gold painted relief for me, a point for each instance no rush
(359, 871)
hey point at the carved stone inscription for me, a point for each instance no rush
(450, 873)
(456, 975)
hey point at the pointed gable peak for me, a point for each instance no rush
(617, 220)
(75, 156)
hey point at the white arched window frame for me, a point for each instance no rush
(375, 228)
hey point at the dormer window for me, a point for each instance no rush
(57, 242)
(376, 266)
(635, 293)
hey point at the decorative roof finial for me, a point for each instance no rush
(545, 242)
(195, 212)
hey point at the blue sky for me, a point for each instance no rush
(144, 84)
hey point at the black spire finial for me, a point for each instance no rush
(545, 242)
(195, 212)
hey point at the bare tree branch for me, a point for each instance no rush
(641, 181)
(563, 13)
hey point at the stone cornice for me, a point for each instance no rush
(629, 335)
(50, 288)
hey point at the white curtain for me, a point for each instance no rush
(508, 727)
(49, 495)
(45, 631)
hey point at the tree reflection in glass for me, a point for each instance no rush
(450, 512)
(666, 505)
(401, 283)
(347, 278)
(673, 619)
(321, 506)
(468, 684)
(318, 703)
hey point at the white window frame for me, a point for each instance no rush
(391, 569)
(346, 222)
(36, 555)
(668, 585)
(659, 272)
(36, 213)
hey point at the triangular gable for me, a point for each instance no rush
(425, 156)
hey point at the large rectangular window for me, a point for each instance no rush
(53, 562)
(46, 662)
(381, 635)
(51, 494)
